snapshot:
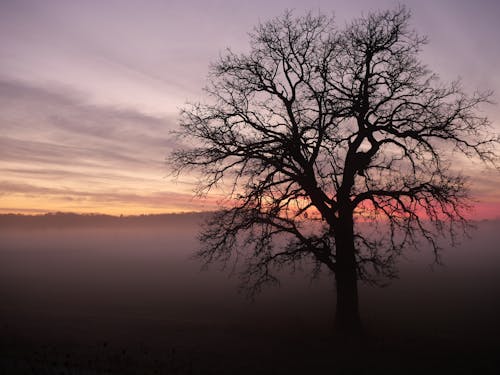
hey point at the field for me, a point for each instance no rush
(110, 296)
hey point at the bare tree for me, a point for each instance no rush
(338, 140)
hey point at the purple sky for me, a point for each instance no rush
(90, 89)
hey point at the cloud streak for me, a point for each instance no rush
(65, 150)
(176, 201)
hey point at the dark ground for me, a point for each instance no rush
(114, 298)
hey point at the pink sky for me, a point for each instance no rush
(90, 89)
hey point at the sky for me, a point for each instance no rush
(90, 90)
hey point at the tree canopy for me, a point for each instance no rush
(337, 140)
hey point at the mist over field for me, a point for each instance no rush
(74, 283)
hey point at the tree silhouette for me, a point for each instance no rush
(339, 141)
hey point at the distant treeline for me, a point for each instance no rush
(62, 219)
(66, 220)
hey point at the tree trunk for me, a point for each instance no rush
(347, 318)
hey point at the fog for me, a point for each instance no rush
(135, 284)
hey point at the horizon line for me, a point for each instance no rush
(124, 216)
(54, 213)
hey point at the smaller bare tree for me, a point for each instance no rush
(340, 141)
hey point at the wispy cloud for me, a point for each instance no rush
(54, 144)
(146, 201)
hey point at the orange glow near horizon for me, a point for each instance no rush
(113, 211)
(135, 205)
(182, 203)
